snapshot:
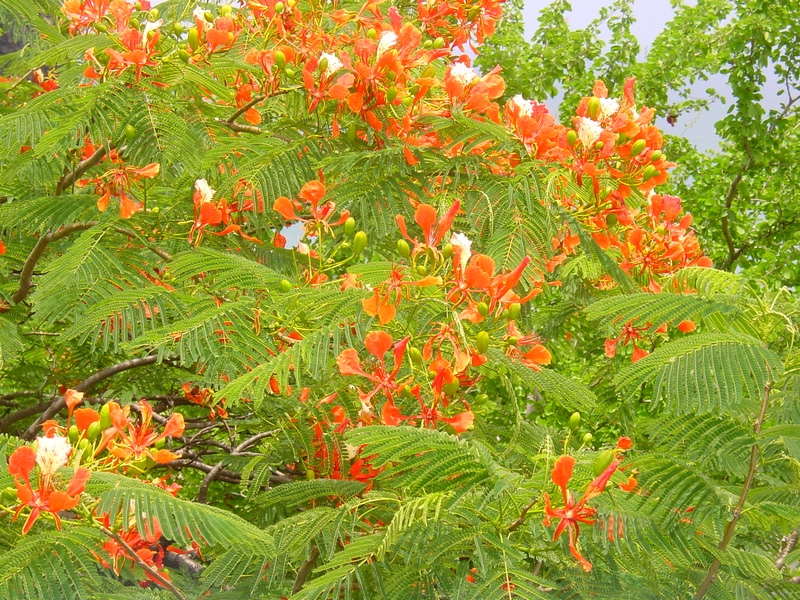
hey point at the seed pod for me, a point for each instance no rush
(391, 94)
(483, 309)
(481, 399)
(372, 34)
(101, 27)
(130, 132)
(285, 286)
(637, 147)
(73, 434)
(349, 226)
(415, 355)
(438, 43)
(602, 461)
(482, 342)
(587, 438)
(655, 155)
(93, 431)
(514, 310)
(323, 64)
(593, 106)
(575, 421)
(572, 137)
(422, 270)
(152, 16)
(194, 38)
(447, 251)
(105, 417)
(403, 249)
(279, 7)
(280, 59)
(352, 132)
(359, 242)
(183, 55)
(649, 172)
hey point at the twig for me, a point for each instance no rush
(305, 569)
(518, 523)
(245, 108)
(69, 178)
(242, 128)
(26, 275)
(57, 404)
(23, 414)
(163, 581)
(737, 512)
(791, 542)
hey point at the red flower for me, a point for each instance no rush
(574, 512)
(51, 454)
(135, 439)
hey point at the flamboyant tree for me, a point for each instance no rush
(294, 302)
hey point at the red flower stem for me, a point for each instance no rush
(737, 512)
(166, 583)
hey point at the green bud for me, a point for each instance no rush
(481, 399)
(183, 55)
(587, 438)
(514, 310)
(323, 64)
(415, 355)
(427, 44)
(130, 132)
(352, 132)
(83, 445)
(438, 43)
(602, 461)
(152, 16)
(649, 172)
(93, 431)
(285, 286)
(593, 106)
(447, 251)
(359, 242)
(637, 147)
(372, 34)
(194, 38)
(483, 309)
(512, 341)
(177, 28)
(226, 10)
(279, 7)
(105, 418)
(451, 389)
(349, 226)
(429, 71)
(280, 59)
(612, 220)
(310, 475)
(101, 27)
(655, 155)
(160, 443)
(505, 314)
(208, 16)
(290, 72)
(391, 94)
(403, 249)
(622, 138)
(73, 434)
(598, 145)
(134, 23)
(572, 137)
(407, 101)
(9, 495)
(422, 270)
(482, 342)
(575, 421)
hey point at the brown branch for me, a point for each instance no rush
(305, 569)
(154, 574)
(242, 128)
(69, 178)
(26, 275)
(58, 403)
(154, 249)
(23, 414)
(791, 542)
(725, 221)
(245, 108)
(518, 523)
(737, 512)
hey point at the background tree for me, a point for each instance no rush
(743, 192)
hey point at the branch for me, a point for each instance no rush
(245, 108)
(26, 275)
(57, 404)
(154, 574)
(791, 542)
(737, 512)
(69, 178)
(725, 221)
(23, 414)
(305, 570)
(242, 128)
(518, 523)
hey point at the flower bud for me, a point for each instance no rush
(655, 155)
(279, 7)
(483, 309)
(101, 27)
(93, 431)
(226, 10)
(602, 461)
(349, 226)
(372, 34)
(194, 38)
(105, 417)
(649, 172)
(572, 137)
(593, 107)
(323, 64)
(451, 389)
(73, 434)
(183, 55)
(391, 94)
(637, 147)
(438, 43)
(359, 242)
(422, 270)
(574, 420)
(352, 132)
(403, 249)
(512, 340)
(482, 342)
(587, 438)
(130, 132)
(514, 311)
(208, 16)
(415, 355)
(285, 286)
(152, 16)
(177, 28)
(280, 59)
(447, 251)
